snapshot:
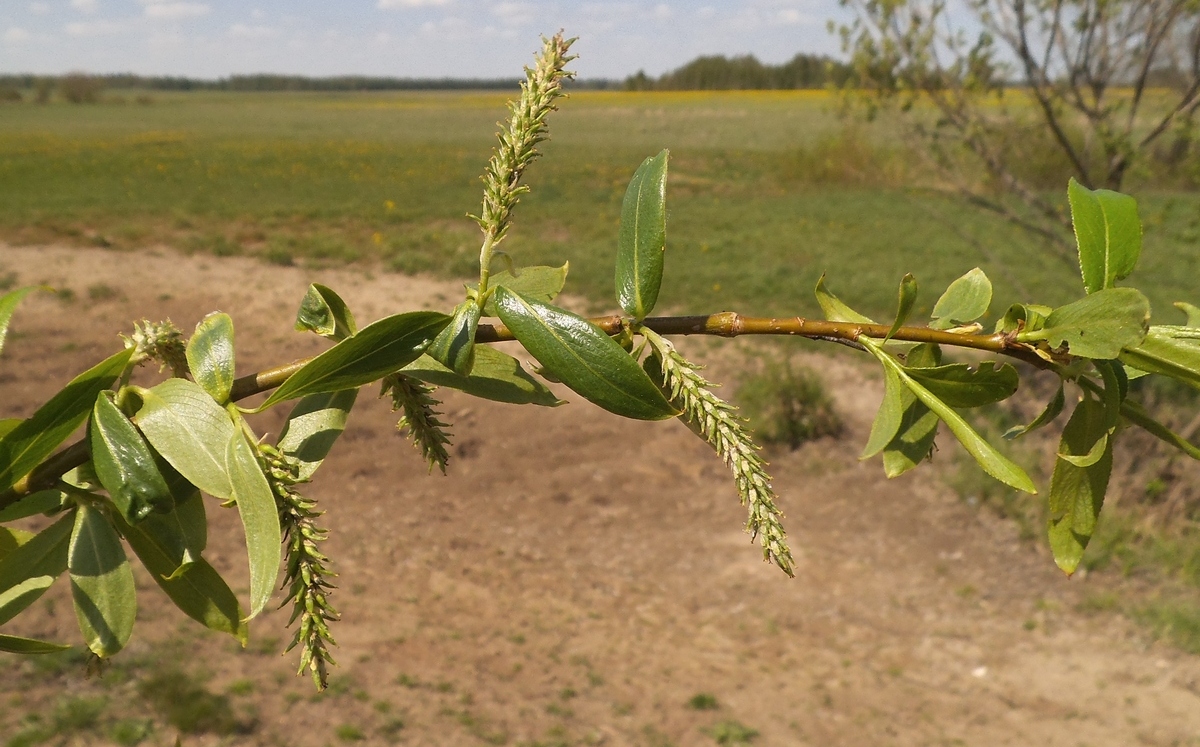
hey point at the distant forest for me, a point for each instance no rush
(703, 73)
(718, 72)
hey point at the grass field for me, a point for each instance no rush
(766, 193)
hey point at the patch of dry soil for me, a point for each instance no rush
(577, 578)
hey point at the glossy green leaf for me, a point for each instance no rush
(31, 505)
(908, 297)
(642, 238)
(1136, 414)
(260, 518)
(210, 355)
(496, 376)
(888, 418)
(958, 385)
(313, 426)
(124, 463)
(199, 592)
(1098, 326)
(11, 539)
(16, 645)
(1192, 312)
(43, 555)
(1077, 492)
(913, 442)
(36, 438)
(324, 312)
(835, 310)
(454, 347)
(380, 348)
(540, 283)
(101, 583)
(964, 301)
(579, 354)
(1169, 351)
(182, 533)
(8, 305)
(1107, 232)
(1052, 410)
(191, 431)
(993, 462)
(7, 424)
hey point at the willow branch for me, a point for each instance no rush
(724, 324)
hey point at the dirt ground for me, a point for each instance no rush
(577, 579)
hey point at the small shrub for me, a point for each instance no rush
(10, 95)
(1174, 619)
(731, 732)
(78, 714)
(131, 732)
(102, 292)
(349, 733)
(189, 706)
(788, 405)
(703, 702)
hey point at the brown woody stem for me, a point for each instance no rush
(724, 324)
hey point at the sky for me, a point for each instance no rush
(400, 38)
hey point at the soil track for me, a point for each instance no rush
(576, 578)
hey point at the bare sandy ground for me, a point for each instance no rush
(577, 578)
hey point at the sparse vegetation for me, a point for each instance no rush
(788, 405)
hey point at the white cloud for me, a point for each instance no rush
(399, 4)
(39, 8)
(86, 6)
(246, 31)
(706, 12)
(95, 28)
(257, 14)
(16, 35)
(170, 11)
(662, 11)
(514, 14)
(792, 16)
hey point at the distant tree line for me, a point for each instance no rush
(717, 72)
(268, 82)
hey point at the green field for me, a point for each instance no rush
(765, 193)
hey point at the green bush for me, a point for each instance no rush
(788, 405)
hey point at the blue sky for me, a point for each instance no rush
(417, 38)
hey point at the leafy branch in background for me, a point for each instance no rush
(150, 455)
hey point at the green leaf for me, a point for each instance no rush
(835, 310)
(642, 239)
(964, 301)
(1098, 326)
(191, 431)
(44, 555)
(454, 347)
(993, 462)
(1136, 414)
(540, 283)
(101, 583)
(210, 355)
(17, 645)
(199, 592)
(182, 533)
(958, 385)
(1077, 491)
(1108, 233)
(1052, 410)
(1193, 313)
(324, 312)
(32, 504)
(7, 424)
(11, 539)
(34, 439)
(23, 594)
(914, 440)
(908, 297)
(580, 355)
(495, 376)
(888, 419)
(1023, 317)
(260, 518)
(1168, 351)
(380, 348)
(8, 304)
(124, 463)
(313, 426)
